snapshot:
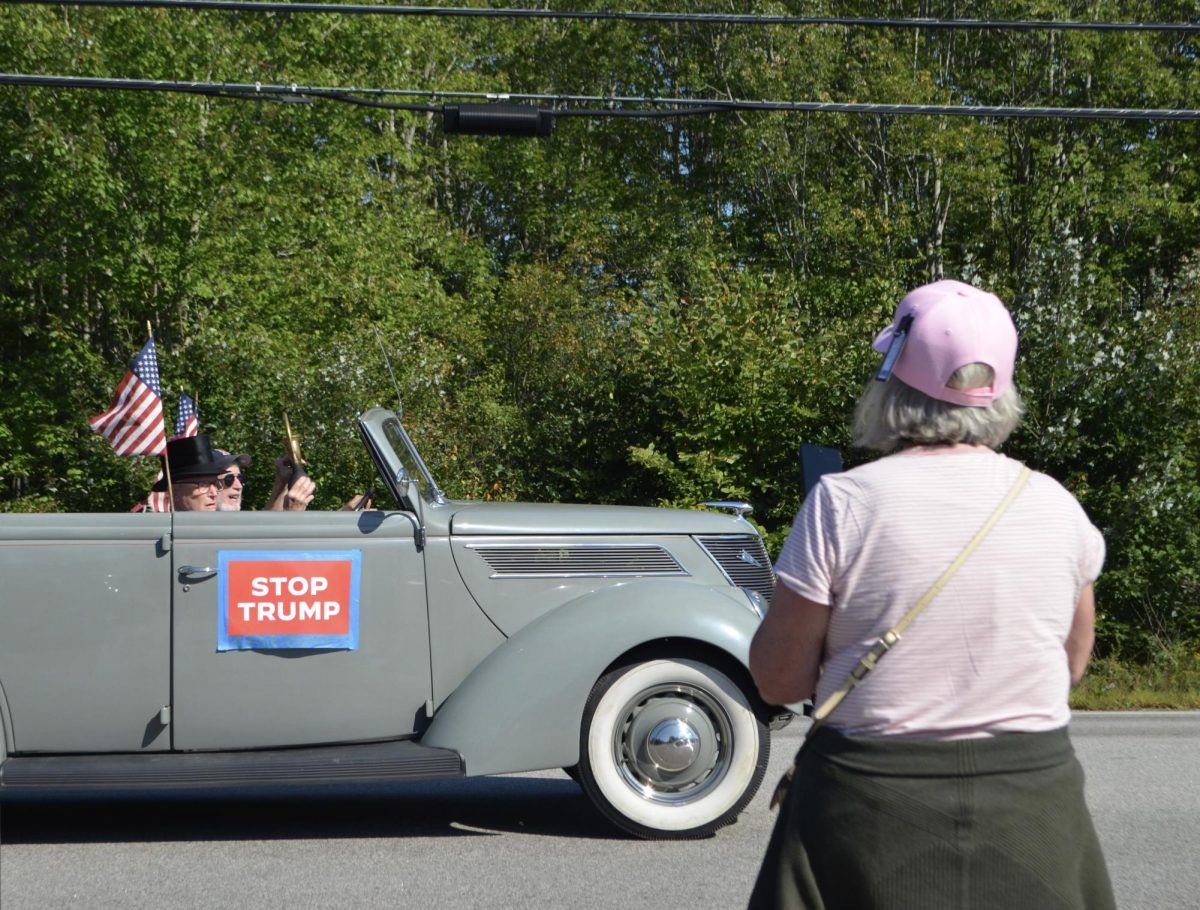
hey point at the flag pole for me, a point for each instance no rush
(166, 461)
(170, 489)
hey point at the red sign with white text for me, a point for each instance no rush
(278, 597)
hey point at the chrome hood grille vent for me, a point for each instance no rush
(575, 561)
(743, 559)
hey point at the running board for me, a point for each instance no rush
(364, 763)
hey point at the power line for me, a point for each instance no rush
(239, 91)
(354, 9)
(654, 106)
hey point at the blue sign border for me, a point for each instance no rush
(227, 642)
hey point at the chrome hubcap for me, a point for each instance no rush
(673, 744)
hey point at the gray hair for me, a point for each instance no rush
(892, 413)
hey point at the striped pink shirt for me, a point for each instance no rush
(987, 655)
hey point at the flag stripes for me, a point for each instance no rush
(133, 423)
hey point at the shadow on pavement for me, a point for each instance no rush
(477, 807)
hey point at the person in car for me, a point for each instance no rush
(282, 499)
(196, 470)
(208, 479)
(233, 483)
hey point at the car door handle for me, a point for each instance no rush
(196, 570)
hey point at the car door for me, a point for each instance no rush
(85, 632)
(294, 628)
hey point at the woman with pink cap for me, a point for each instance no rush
(939, 603)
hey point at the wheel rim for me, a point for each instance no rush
(673, 743)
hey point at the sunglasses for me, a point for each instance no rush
(228, 480)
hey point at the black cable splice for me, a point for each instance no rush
(496, 120)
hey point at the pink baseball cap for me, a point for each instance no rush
(953, 324)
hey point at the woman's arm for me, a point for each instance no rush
(785, 655)
(1082, 635)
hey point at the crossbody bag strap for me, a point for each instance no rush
(892, 635)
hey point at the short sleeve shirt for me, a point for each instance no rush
(986, 656)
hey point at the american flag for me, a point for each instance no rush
(187, 423)
(187, 420)
(133, 424)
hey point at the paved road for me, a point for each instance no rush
(524, 841)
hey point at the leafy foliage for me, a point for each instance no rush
(630, 311)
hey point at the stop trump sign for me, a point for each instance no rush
(288, 599)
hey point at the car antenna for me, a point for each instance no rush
(387, 360)
(437, 493)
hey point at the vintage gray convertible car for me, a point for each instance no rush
(438, 639)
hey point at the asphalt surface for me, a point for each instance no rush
(523, 840)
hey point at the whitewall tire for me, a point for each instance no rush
(671, 748)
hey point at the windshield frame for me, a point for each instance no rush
(411, 461)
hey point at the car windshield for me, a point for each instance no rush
(414, 467)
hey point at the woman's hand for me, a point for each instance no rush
(1082, 635)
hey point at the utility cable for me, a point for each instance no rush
(657, 107)
(753, 19)
(255, 91)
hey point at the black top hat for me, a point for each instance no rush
(194, 456)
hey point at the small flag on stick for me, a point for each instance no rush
(187, 420)
(133, 424)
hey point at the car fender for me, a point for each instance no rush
(521, 708)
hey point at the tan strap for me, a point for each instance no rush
(892, 635)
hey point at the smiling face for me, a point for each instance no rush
(196, 494)
(229, 498)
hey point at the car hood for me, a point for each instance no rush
(514, 518)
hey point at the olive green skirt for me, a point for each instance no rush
(886, 822)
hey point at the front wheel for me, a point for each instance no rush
(671, 748)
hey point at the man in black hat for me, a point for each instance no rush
(196, 471)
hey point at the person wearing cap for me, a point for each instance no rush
(946, 779)
(295, 498)
(232, 483)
